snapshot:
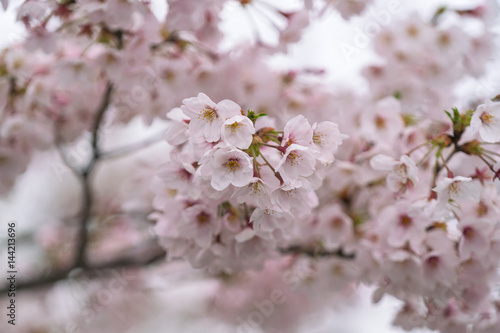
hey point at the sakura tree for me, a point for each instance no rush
(283, 192)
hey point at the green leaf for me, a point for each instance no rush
(254, 150)
(449, 115)
(253, 116)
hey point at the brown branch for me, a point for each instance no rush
(98, 122)
(318, 252)
(80, 260)
(438, 167)
(141, 258)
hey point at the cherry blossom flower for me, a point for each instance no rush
(271, 224)
(403, 173)
(486, 121)
(237, 131)
(327, 138)
(335, 226)
(230, 166)
(297, 22)
(409, 317)
(404, 224)
(451, 190)
(178, 173)
(297, 131)
(475, 237)
(200, 224)
(206, 117)
(178, 132)
(257, 193)
(298, 161)
(384, 120)
(294, 200)
(439, 264)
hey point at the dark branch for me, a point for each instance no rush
(98, 122)
(141, 258)
(80, 260)
(317, 252)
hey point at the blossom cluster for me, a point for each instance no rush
(435, 55)
(235, 188)
(52, 84)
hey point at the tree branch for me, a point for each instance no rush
(133, 147)
(80, 260)
(141, 258)
(318, 252)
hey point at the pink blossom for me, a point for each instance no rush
(404, 224)
(440, 264)
(403, 173)
(271, 224)
(178, 131)
(294, 200)
(206, 117)
(200, 224)
(297, 161)
(297, 22)
(237, 131)
(297, 131)
(486, 121)
(452, 190)
(230, 166)
(475, 237)
(256, 193)
(327, 138)
(335, 226)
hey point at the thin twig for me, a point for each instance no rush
(437, 167)
(133, 147)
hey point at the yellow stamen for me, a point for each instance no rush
(233, 165)
(208, 114)
(234, 126)
(487, 118)
(319, 139)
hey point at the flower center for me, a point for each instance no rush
(234, 126)
(401, 170)
(256, 189)
(469, 233)
(203, 218)
(413, 31)
(487, 118)
(319, 139)
(405, 220)
(444, 39)
(293, 158)
(454, 190)
(232, 165)
(380, 122)
(337, 223)
(183, 174)
(482, 209)
(208, 114)
(433, 261)
(289, 142)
